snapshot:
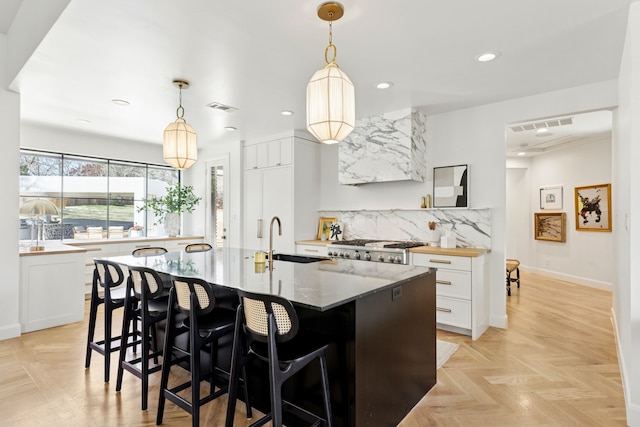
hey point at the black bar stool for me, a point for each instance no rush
(106, 275)
(267, 328)
(147, 302)
(512, 265)
(206, 324)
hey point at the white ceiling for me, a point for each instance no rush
(257, 56)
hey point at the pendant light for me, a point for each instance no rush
(330, 93)
(179, 142)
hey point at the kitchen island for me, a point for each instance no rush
(379, 317)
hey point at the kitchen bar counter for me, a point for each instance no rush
(379, 317)
(318, 285)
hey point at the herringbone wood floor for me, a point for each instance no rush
(556, 365)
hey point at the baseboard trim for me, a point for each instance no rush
(579, 280)
(11, 331)
(633, 411)
(501, 322)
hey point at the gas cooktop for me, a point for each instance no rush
(378, 243)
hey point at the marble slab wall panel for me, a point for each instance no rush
(384, 147)
(471, 227)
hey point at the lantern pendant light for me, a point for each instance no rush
(330, 93)
(179, 142)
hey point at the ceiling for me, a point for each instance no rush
(257, 56)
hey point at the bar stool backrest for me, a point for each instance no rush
(257, 309)
(203, 294)
(153, 250)
(109, 273)
(145, 280)
(198, 247)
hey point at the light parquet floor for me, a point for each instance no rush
(556, 365)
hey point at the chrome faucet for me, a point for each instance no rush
(274, 219)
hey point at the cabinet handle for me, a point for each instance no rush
(440, 261)
(311, 250)
(443, 282)
(255, 167)
(259, 233)
(142, 246)
(446, 310)
(184, 243)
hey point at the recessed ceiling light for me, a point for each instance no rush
(487, 56)
(120, 102)
(522, 153)
(384, 85)
(230, 128)
(542, 130)
(286, 112)
(83, 121)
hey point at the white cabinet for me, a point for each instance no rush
(286, 188)
(268, 194)
(51, 290)
(461, 292)
(277, 152)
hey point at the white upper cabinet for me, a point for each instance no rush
(278, 152)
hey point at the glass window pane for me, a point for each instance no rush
(40, 175)
(126, 185)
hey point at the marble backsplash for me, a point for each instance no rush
(471, 227)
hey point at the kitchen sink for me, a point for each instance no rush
(298, 258)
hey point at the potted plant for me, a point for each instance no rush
(179, 198)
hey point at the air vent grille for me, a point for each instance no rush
(543, 124)
(221, 107)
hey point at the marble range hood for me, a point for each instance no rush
(385, 147)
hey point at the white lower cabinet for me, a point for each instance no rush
(51, 292)
(461, 292)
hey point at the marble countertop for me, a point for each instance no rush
(319, 285)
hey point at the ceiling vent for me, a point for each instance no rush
(221, 107)
(543, 124)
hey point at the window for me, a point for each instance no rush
(93, 195)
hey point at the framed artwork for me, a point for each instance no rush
(324, 228)
(450, 187)
(551, 197)
(593, 208)
(335, 231)
(550, 226)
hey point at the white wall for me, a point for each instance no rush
(9, 170)
(476, 137)
(88, 144)
(519, 222)
(626, 181)
(585, 257)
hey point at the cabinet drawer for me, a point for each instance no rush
(453, 312)
(312, 250)
(453, 283)
(442, 261)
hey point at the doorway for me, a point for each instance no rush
(217, 193)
